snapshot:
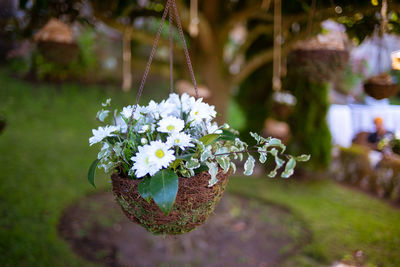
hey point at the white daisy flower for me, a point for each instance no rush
(187, 102)
(175, 100)
(181, 140)
(141, 162)
(170, 125)
(201, 111)
(212, 128)
(160, 154)
(167, 109)
(152, 109)
(101, 133)
(121, 123)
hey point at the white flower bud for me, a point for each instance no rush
(143, 141)
(145, 128)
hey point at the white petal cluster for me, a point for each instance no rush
(201, 111)
(180, 140)
(170, 125)
(152, 158)
(160, 132)
(101, 133)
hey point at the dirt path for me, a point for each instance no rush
(241, 232)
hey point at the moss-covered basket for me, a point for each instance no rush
(57, 52)
(380, 91)
(319, 64)
(194, 202)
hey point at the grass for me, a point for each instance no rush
(340, 219)
(45, 156)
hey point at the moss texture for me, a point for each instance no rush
(195, 201)
(310, 132)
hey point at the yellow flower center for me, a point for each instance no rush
(160, 153)
(177, 141)
(196, 113)
(170, 127)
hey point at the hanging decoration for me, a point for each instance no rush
(283, 102)
(56, 43)
(194, 19)
(381, 86)
(169, 162)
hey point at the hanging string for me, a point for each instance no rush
(277, 59)
(169, 7)
(381, 38)
(146, 72)
(171, 54)
(384, 16)
(185, 49)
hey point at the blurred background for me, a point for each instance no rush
(319, 74)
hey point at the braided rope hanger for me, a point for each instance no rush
(170, 8)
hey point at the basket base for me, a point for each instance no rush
(194, 202)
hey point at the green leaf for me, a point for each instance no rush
(233, 166)
(175, 163)
(209, 138)
(276, 142)
(102, 115)
(144, 188)
(91, 172)
(279, 162)
(289, 168)
(213, 171)
(227, 136)
(249, 166)
(257, 137)
(185, 157)
(224, 163)
(163, 188)
(263, 155)
(205, 155)
(192, 164)
(303, 158)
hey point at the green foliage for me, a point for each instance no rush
(92, 170)
(44, 158)
(76, 69)
(340, 219)
(163, 188)
(310, 132)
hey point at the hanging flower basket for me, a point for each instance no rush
(380, 86)
(322, 57)
(194, 202)
(169, 161)
(56, 43)
(61, 53)
(319, 64)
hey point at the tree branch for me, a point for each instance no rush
(254, 63)
(253, 36)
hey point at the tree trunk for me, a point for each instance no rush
(126, 59)
(210, 67)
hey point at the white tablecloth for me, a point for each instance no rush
(345, 121)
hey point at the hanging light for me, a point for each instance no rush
(396, 60)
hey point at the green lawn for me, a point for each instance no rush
(44, 157)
